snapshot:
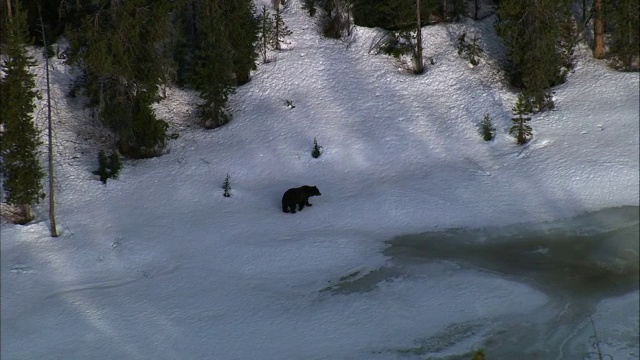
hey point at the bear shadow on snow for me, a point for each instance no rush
(298, 196)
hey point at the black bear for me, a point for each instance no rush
(298, 196)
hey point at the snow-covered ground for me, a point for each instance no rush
(159, 265)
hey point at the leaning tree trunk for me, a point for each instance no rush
(598, 30)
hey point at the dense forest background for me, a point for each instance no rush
(127, 51)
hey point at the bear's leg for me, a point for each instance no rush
(285, 208)
(300, 206)
(292, 208)
(308, 204)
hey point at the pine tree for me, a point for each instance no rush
(212, 74)
(539, 45)
(120, 47)
(520, 130)
(108, 167)
(317, 149)
(487, 130)
(218, 52)
(469, 51)
(22, 175)
(623, 17)
(266, 33)
(280, 30)
(242, 33)
(393, 14)
(226, 186)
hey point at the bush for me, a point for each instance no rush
(487, 130)
(289, 104)
(317, 150)
(108, 167)
(396, 44)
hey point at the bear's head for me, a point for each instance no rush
(312, 190)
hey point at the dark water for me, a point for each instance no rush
(594, 255)
(577, 262)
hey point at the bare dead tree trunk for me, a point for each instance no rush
(419, 68)
(444, 10)
(52, 203)
(598, 30)
(476, 8)
(276, 35)
(265, 41)
(9, 13)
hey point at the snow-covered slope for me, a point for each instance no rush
(158, 264)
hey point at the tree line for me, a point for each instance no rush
(127, 50)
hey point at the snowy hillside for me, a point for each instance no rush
(159, 265)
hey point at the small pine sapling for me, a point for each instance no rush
(103, 164)
(520, 130)
(108, 167)
(317, 150)
(469, 51)
(478, 355)
(115, 165)
(487, 130)
(227, 186)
